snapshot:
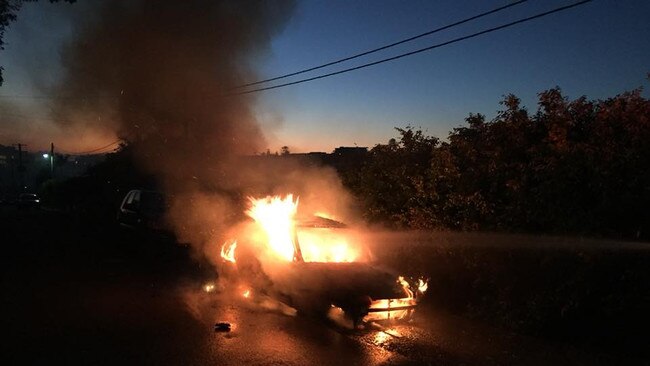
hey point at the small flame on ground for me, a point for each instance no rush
(384, 335)
(228, 251)
(423, 285)
(247, 294)
(208, 287)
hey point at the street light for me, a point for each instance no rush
(50, 157)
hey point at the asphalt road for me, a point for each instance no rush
(73, 293)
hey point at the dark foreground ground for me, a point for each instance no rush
(78, 293)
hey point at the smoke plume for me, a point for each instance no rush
(159, 74)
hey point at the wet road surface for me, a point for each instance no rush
(74, 296)
(157, 323)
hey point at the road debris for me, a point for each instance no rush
(222, 327)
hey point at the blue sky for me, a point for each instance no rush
(598, 50)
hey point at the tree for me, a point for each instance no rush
(395, 183)
(574, 166)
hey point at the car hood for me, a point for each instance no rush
(338, 280)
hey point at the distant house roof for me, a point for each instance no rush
(350, 150)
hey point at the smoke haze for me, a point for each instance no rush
(156, 73)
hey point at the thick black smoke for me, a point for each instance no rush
(157, 72)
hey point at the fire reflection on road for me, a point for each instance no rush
(263, 329)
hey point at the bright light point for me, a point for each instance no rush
(423, 285)
(381, 338)
(45, 156)
(228, 251)
(209, 287)
(247, 294)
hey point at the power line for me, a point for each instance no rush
(459, 39)
(335, 62)
(455, 40)
(98, 150)
(374, 50)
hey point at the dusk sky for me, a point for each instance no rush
(599, 50)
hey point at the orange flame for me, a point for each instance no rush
(276, 216)
(405, 285)
(228, 251)
(422, 286)
(324, 245)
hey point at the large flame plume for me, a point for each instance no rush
(275, 216)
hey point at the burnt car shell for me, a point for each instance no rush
(142, 209)
(364, 292)
(361, 290)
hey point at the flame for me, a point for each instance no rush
(228, 251)
(208, 287)
(387, 309)
(381, 337)
(247, 294)
(325, 245)
(385, 335)
(276, 217)
(406, 286)
(423, 285)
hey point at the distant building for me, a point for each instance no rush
(350, 151)
(345, 157)
(342, 157)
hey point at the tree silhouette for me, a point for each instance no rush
(575, 166)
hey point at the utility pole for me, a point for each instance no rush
(21, 168)
(52, 160)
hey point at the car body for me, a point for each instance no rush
(362, 290)
(142, 209)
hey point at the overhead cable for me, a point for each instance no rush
(374, 50)
(438, 45)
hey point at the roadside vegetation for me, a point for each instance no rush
(572, 167)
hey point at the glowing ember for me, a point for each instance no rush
(247, 294)
(228, 251)
(208, 287)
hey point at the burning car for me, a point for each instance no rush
(310, 264)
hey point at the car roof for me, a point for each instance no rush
(320, 222)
